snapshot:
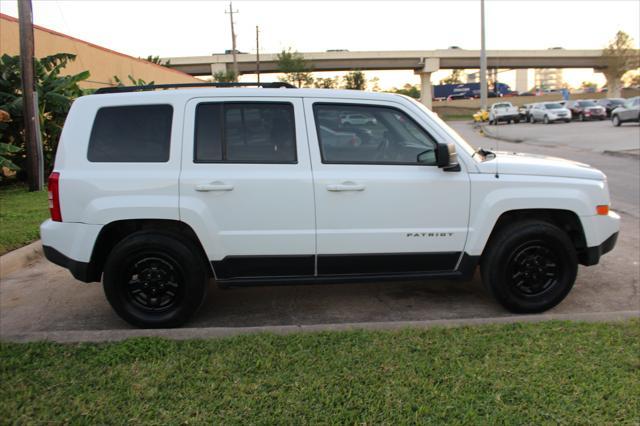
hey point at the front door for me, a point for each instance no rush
(246, 186)
(378, 210)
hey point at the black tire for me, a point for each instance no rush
(581, 117)
(155, 280)
(567, 121)
(546, 120)
(616, 120)
(517, 120)
(541, 256)
(531, 119)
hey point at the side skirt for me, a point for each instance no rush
(464, 272)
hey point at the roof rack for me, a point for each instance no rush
(125, 89)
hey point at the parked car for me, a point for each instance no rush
(586, 110)
(158, 192)
(523, 111)
(357, 119)
(628, 112)
(610, 104)
(549, 112)
(503, 111)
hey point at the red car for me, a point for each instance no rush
(586, 110)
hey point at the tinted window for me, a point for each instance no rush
(245, 132)
(131, 134)
(382, 136)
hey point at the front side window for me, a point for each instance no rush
(245, 133)
(131, 134)
(356, 134)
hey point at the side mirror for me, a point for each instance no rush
(447, 158)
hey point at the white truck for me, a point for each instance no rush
(503, 111)
(158, 192)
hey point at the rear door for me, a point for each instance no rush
(246, 186)
(377, 210)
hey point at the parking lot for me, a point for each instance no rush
(43, 299)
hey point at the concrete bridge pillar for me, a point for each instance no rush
(614, 85)
(430, 65)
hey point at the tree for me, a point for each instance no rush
(375, 84)
(326, 83)
(134, 82)
(224, 77)
(454, 78)
(55, 95)
(408, 90)
(633, 80)
(619, 57)
(355, 80)
(156, 60)
(295, 68)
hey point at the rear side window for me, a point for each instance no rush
(238, 132)
(131, 134)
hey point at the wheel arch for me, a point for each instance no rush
(566, 220)
(114, 232)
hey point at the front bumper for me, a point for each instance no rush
(591, 256)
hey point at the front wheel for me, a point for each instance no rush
(531, 119)
(616, 121)
(530, 266)
(546, 120)
(581, 117)
(155, 279)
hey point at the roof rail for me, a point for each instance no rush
(126, 89)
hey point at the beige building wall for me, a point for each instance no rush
(101, 62)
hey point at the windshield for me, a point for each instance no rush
(502, 106)
(459, 139)
(586, 103)
(616, 101)
(553, 106)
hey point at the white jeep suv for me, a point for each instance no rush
(157, 192)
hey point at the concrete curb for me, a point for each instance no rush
(19, 258)
(75, 336)
(635, 154)
(489, 132)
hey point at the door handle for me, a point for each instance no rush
(345, 186)
(214, 186)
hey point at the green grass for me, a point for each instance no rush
(21, 213)
(548, 373)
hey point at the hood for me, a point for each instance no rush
(514, 163)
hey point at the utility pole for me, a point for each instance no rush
(29, 105)
(258, 53)
(483, 62)
(233, 41)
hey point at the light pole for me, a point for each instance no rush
(483, 62)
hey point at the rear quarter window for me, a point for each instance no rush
(131, 134)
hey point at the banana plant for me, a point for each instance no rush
(56, 93)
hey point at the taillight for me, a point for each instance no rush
(54, 197)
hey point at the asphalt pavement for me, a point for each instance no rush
(43, 301)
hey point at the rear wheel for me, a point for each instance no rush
(155, 280)
(616, 121)
(530, 266)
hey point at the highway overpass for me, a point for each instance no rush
(423, 62)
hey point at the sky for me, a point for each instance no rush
(194, 28)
